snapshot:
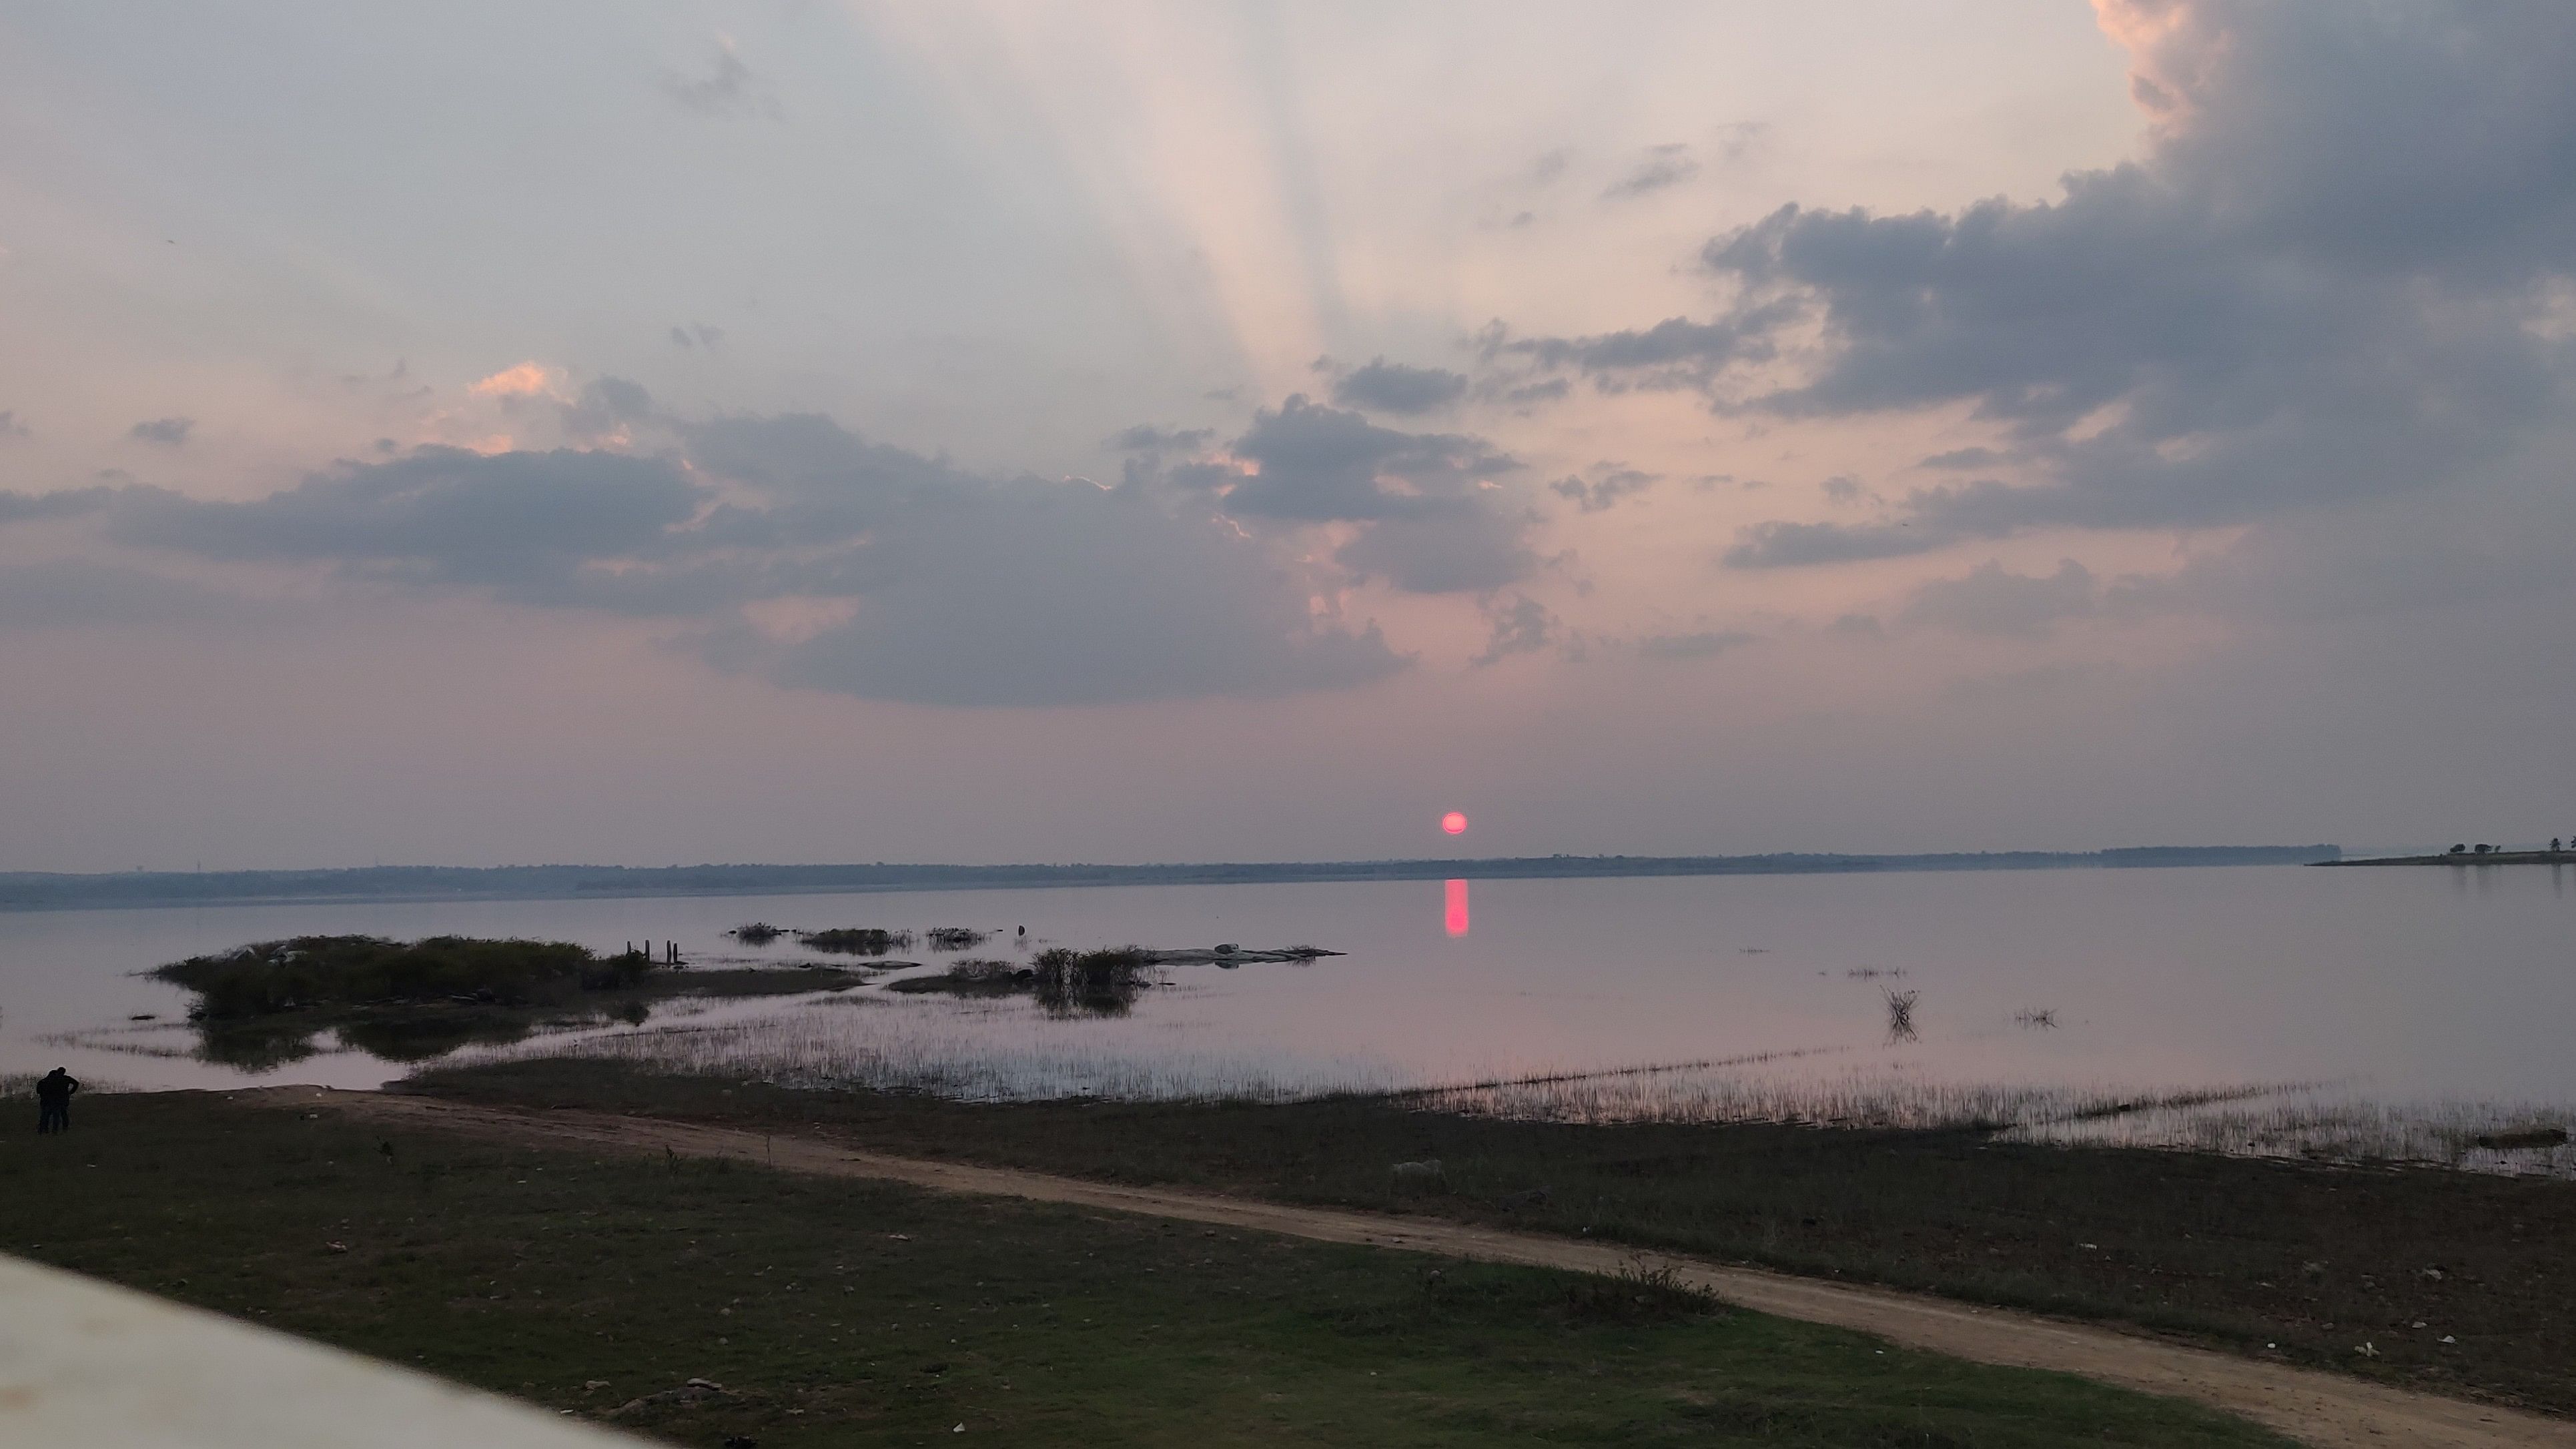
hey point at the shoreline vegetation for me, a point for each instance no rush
(41, 890)
(2460, 857)
(710, 1300)
(1086, 983)
(264, 1004)
(2441, 1280)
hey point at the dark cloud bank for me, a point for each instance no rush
(2314, 291)
(899, 576)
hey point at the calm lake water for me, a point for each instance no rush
(2392, 1011)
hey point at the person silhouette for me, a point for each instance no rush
(54, 1100)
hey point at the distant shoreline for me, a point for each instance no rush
(2464, 858)
(42, 891)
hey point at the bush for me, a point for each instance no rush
(1098, 982)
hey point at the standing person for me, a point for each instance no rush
(54, 1100)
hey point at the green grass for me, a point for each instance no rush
(841, 1313)
(2274, 1259)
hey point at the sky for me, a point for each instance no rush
(811, 431)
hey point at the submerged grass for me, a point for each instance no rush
(2317, 1261)
(841, 1313)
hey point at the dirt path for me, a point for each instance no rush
(2311, 1406)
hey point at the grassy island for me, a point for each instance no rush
(264, 1003)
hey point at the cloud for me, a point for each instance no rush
(1431, 515)
(1315, 463)
(1606, 489)
(1964, 458)
(527, 379)
(1673, 353)
(170, 432)
(1447, 546)
(1521, 625)
(1791, 545)
(62, 503)
(1693, 646)
(2312, 291)
(1146, 438)
(902, 577)
(697, 334)
(1073, 595)
(1392, 387)
(607, 405)
(1992, 601)
(1664, 166)
(726, 87)
(69, 593)
(10, 427)
(522, 520)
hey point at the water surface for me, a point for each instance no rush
(2038, 996)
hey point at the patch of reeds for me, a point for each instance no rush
(2314, 1123)
(1106, 982)
(757, 933)
(987, 1046)
(857, 940)
(975, 1051)
(953, 938)
(1900, 1014)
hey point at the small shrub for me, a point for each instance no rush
(1099, 983)
(1638, 1296)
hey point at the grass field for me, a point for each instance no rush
(838, 1313)
(2303, 1263)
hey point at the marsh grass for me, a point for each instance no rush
(2316, 1123)
(953, 938)
(987, 1045)
(974, 1050)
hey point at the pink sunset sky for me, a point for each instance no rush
(1133, 432)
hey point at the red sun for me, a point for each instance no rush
(1454, 822)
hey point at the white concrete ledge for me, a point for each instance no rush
(87, 1365)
